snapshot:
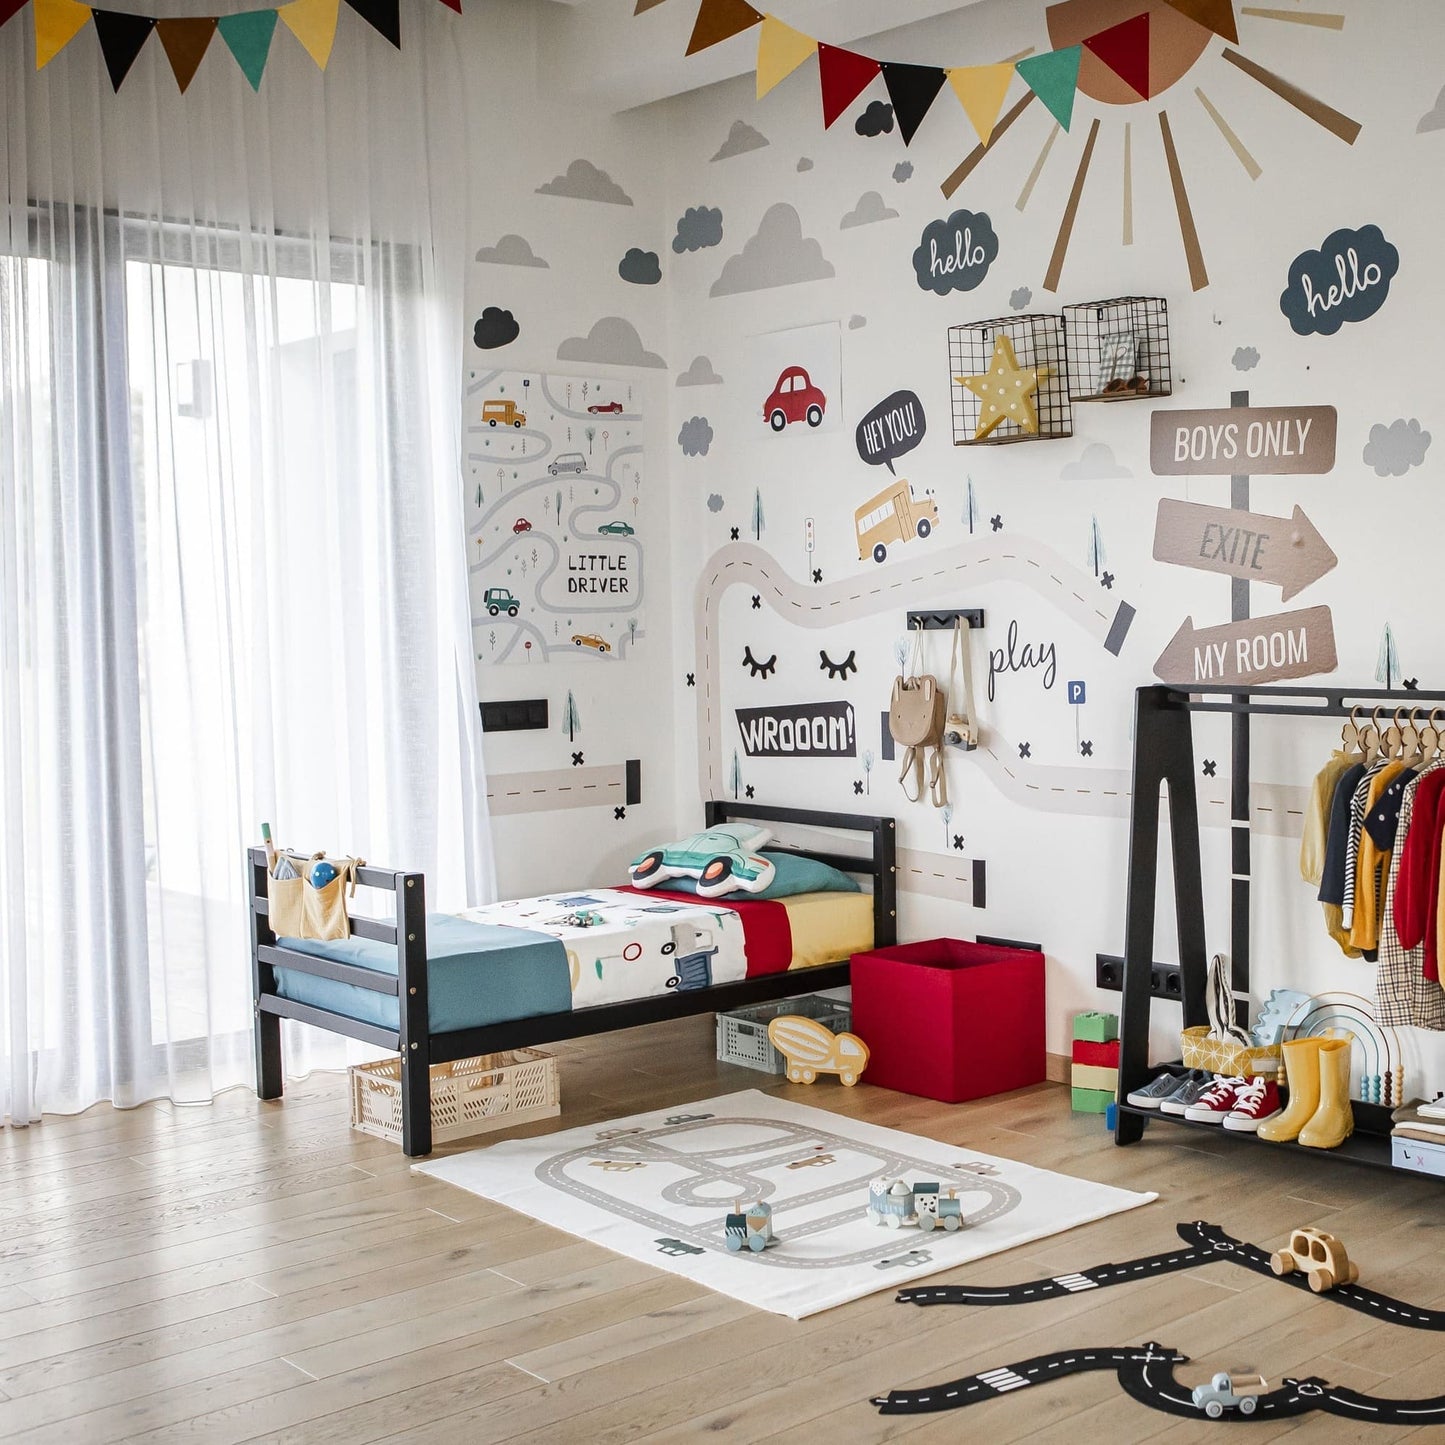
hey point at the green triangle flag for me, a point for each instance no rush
(248, 38)
(1054, 77)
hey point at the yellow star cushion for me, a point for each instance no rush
(1006, 391)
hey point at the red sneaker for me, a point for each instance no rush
(1215, 1102)
(1254, 1102)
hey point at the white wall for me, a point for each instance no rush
(1054, 874)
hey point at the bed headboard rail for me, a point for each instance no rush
(880, 863)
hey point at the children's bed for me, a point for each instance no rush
(440, 988)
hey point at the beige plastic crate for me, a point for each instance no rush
(469, 1096)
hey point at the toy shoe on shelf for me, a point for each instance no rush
(1256, 1101)
(1153, 1094)
(1212, 1106)
(1191, 1089)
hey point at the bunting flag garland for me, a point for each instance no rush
(248, 38)
(121, 38)
(384, 16)
(981, 90)
(844, 76)
(1213, 15)
(185, 42)
(10, 8)
(781, 50)
(1124, 48)
(313, 23)
(57, 23)
(717, 20)
(1054, 78)
(912, 89)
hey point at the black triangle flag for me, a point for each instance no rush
(382, 15)
(912, 89)
(121, 39)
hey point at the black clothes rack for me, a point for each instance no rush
(1164, 755)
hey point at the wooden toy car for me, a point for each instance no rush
(894, 1203)
(752, 1228)
(811, 1049)
(1321, 1256)
(1230, 1392)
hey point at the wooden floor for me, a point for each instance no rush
(252, 1271)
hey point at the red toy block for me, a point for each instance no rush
(1102, 1056)
(951, 1020)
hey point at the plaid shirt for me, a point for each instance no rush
(1404, 995)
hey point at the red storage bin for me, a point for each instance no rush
(951, 1020)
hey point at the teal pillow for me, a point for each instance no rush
(795, 874)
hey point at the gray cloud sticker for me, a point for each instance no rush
(695, 437)
(856, 322)
(869, 210)
(715, 502)
(700, 373)
(496, 328)
(1020, 297)
(741, 139)
(1392, 450)
(778, 255)
(903, 171)
(876, 120)
(510, 251)
(1434, 118)
(585, 182)
(1096, 464)
(697, 228)
(954, 255)
(1347, 279)
(804, 164)
(641, 268)
(1245, 358)
(613, 342)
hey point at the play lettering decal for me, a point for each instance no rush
(1347, 279)
(1014, 656)
(955, 255)
(799, 730)
(895, 426)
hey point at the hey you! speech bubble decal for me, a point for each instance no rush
(895, 426)
(1347, 279)
(954, 255)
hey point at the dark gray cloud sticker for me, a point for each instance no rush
(695, 437)
(697, 228)
(642, 268)
(1347, 279)
(496, 328)
(895, 426)
(954, 255)
(876, 120)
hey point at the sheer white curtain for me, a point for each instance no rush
(232, 576)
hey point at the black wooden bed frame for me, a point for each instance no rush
(419, 1049)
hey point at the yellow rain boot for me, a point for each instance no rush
(1334, 1120)
(1302, 1072)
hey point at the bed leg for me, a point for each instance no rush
(268, 1056)
(415, 1105)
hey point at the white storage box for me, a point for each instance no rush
(742, 1036)
(1416, 1154)
(469, 1096)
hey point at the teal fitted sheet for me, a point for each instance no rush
(477, 974)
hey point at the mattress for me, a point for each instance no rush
(527, 957)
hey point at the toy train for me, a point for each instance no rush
(892, 1203)
(750, 1228)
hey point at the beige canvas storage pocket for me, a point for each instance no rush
(285, 906)
(297, 910)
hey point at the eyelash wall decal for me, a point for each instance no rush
(838, 669)
(760, 669)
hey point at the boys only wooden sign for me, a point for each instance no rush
(1287, 552)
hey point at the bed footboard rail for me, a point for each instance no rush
(412, 1037)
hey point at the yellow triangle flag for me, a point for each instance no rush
(980, 90)
(313, 23)
(57, 23)
(781, 50)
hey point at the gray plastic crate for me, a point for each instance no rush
(742, 1036)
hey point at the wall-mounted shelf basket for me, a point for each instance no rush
(1118, 350)
(1038, 342)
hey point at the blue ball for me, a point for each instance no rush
(321, 873)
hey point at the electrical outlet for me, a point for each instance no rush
(1166, 980)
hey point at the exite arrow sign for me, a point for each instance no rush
(1287, 552)
(1253, 652)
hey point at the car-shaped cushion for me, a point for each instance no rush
(719, 860)
(793, 874)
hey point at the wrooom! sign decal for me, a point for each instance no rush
(799, 730)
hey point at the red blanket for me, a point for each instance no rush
(767, 933)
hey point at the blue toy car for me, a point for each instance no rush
(1226, 1392)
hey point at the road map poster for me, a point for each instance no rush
(556, 512)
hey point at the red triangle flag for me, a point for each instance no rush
(11, 8)
(844, 76)
(453, 5)
(1125, 50)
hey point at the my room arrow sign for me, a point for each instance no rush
(1287, 552)
(1253, 652)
